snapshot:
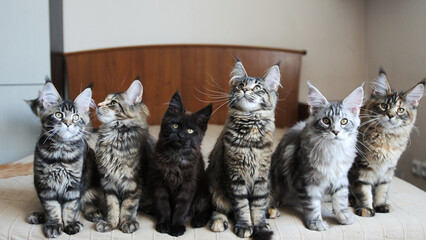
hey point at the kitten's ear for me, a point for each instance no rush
(414, 95)
(203, 116)
(134, 93)
(315, 99)
(176, 104)
(84, 101)
(49, 95)
(354, 101)
(238, 72)
(272, 78)
(381, 85)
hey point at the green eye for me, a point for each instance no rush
(326, 121)
(58, 115)
(383, 106)
(344, 121)
(113, 102)
(190, 131)
(400, 110)
(175, 126)
(257, 88)
(75, 117)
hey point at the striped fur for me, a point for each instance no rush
(388, 117)
(238, 171)
(314, 157)
(123, 144)
(58, 160)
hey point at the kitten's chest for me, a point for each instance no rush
(60, 176)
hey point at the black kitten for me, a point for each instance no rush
(177, 178)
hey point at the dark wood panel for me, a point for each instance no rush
(195, 70)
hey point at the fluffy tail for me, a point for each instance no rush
(262, 233)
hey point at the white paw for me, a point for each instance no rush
(345, 218)
(319, 225)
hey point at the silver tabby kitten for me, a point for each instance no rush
(58, 160)
(388, 118)
(314, 157)
(238, 171)
(123, 143)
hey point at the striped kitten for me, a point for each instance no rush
(238, 171)
(314, 157)
(58, 160)
(388, 118)
(123, 143)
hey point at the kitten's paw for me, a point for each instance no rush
(162, 227)
(102, 226)
(365, 212)
(243, 231)
(272, 213)
(36, 218)
(218, 225)
(93, 216)
(177, 230)
(318, 225)
(53, 230)
(385, 208)
(200, 220)
(345, 218)
(261, 228)
(73, 228)
(129, 226)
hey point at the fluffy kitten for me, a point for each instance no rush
(238, 171)
(388, 118)
(314, 158)
(123, 144)
(177, 177)
(58, 160)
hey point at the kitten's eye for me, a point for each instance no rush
(326, 121)
(58, 115)
(190, 131)
(241, 85)
(257, 88)
(344, 121)
(400, 110)
(175, 126)
(113, 102)
(75, 117)
(383, 106)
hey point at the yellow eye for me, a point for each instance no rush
(400, 110)
(326, 121)
(190, 131)
(383, 106)
(175, 125)
(344, 121)
(58, 115)
(241, 85)
(113, 102)
(75, 117)
(256, 88)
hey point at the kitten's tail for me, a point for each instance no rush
(261, 234)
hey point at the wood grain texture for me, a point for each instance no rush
(195, 70)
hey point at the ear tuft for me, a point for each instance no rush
(414, 95)
(49, 95)
(272, 78)
(381, 85)
(84, 101)
(176, 104)
(238, 73)
(354, 100)
(315, 99)
(134, 93)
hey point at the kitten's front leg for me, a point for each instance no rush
(69, 215)
(381, 197)
(340, 204)
(362, 191)
(53, 226)
(243, 227)
(162, 209)
(113, 213)
(182, 202)
(310, 199)
(128, 212)
(259, 204)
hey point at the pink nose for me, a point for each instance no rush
(335, 132)
(390, 115)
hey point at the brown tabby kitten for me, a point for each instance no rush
(123, 144)
(387, 120)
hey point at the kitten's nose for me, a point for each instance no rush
(68, 124)
(335, 132)
(390, 115)
(245, 89)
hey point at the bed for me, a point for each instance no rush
(197, 70)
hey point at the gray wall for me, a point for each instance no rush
(24, 63)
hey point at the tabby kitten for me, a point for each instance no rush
(177, 178)
(238, 171)
(123, 144)
(58, 160)
(388, 118)
(314, 157)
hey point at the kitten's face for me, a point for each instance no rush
(64, 119)
(391, 109)
(181, 129)
(335, 121)
(121, 106)
(252, 94)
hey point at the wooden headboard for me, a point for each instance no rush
(163, 69)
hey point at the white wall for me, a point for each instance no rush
(396, 39)
(24, 63)
(332, 31)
